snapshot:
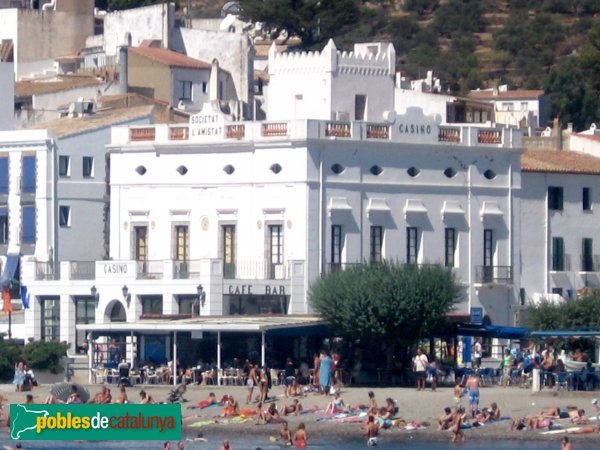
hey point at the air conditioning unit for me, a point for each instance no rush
(342, 116)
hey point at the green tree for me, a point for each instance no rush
(313, 21)
(580, 313)
(389, 302)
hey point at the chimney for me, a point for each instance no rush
(123, 75)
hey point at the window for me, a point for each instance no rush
(28, 225)
(557, 290)
(507, 106)
(524, 106)
(3, 226)
(337, 245)
(488, 255)
(50, 319)
(555, 198)
(587, 257)
(228, 250)
(204, 86)
(3, 176)
(360, 106)
(85, 310)
(64, 166)
(28, 180)
(376, 240)
(275, 249)
(412, 245)
(181, 243)
(152, 304)
(88, 167)
(488, 248)
(64, 216)
(558, 254)
(450, 246)
(140, 243)
(186, 90)
(586, 199)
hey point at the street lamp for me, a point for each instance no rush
(126, 295)
(200, 300)
(94, 292)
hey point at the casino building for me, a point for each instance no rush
(221, 227)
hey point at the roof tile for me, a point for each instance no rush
(560, 161)
(170, 58)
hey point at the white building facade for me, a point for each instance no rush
(221, 218)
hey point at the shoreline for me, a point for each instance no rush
(422, 406)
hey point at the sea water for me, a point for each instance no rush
(239, 442)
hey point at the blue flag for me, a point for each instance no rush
(25, 297)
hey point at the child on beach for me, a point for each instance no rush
(285, 434)
(300, 436)
(371, 431)
(458, 393)
(565, 444)
(457, 421)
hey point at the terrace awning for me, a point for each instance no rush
(566, 333)
(492, 331)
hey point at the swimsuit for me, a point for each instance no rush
(473, 396)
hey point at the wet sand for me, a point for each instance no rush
(422, 406)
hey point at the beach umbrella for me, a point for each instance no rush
(62, 391)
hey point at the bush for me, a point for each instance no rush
(39, 355)
(43, 355)
(9, 354)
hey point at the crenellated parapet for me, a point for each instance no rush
(373, 60)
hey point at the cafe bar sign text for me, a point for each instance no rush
(208, 124)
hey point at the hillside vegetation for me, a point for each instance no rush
(531, 44)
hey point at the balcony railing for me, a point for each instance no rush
(449, 134)
(235, 131)
(47, 271)
(186, 269)
(83, 270)
(493, 274)
(489, 136)
(563, 265)
(255, 270)
(378, 131)
(179, 133)
(274, 129)
(149, 270)
(336, 129)
(143, 134)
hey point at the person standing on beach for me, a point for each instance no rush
(473, 389)
(477, 353)
(420, 363)
(325, 369)
(251, 381)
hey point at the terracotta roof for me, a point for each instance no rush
(560, 161)
(170, 58)
(506, 95)
(64, 83)
(68, 126)
(591, 137)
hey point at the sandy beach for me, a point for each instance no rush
(421, 406)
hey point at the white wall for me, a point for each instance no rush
(539, 226)
(148, 22)
(7, 95)
(432, 104)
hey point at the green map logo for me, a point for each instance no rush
(95, 422)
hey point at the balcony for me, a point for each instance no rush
(46, 271)
(338, 129)
(447, 134)
(149, 270)
(82, 270)
(186, 269)
(378, 131)
(493, 275)
(255, 270)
